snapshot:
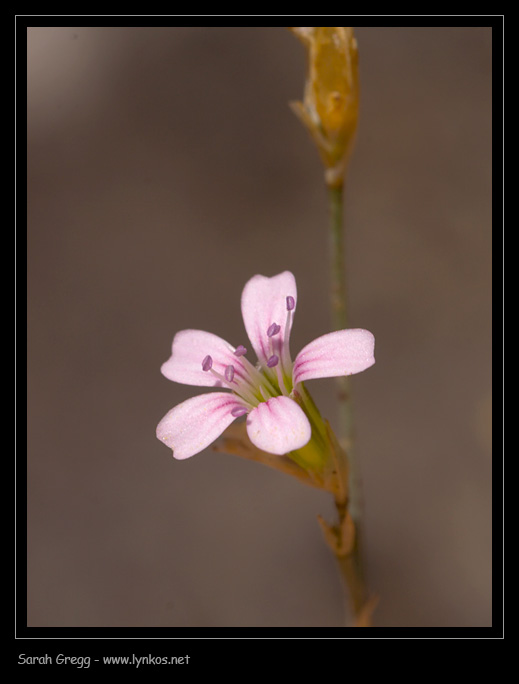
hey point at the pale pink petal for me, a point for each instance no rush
(278, 426)
(264, 302)
(194, 424)
(189, 349)
(338, 353)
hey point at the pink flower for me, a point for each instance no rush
(267, 391)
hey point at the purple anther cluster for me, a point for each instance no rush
(229, 373)
(207, 363)
(273, 361)
(273, 330)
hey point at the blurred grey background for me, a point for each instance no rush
(165, 169)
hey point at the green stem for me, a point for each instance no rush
(351, 566)
(339, 311)
(339, 307)
(338, 262)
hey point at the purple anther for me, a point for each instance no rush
(240, 350)
(207, 363)
(273, 361)
(238, 411)
(229, 373)
(291, 303)
(273, 330)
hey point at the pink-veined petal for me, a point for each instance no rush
(264, 302)
(344, 352)
(278, 426)
(194, 424)
(189, 349)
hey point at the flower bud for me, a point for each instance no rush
(331, 97)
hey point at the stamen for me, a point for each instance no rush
(255, 378)
(207, 363)
(240, 350)
(286, 361)
(266, 396)
(238, 388)
(239, 411)
(273, 330)
(273, 362)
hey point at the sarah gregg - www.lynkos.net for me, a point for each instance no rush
(84, 662)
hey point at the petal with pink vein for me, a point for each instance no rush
(194, 424)
(278, 426)
(344, 352)
(189, 349)
(264, 302)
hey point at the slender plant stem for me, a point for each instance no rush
(339, 311)
(337, 254)
(339, 305)
(351, 565)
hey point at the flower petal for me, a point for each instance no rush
(264, 302)
(194, 424)
(338, 353)
(189, 349)
(278, 426)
